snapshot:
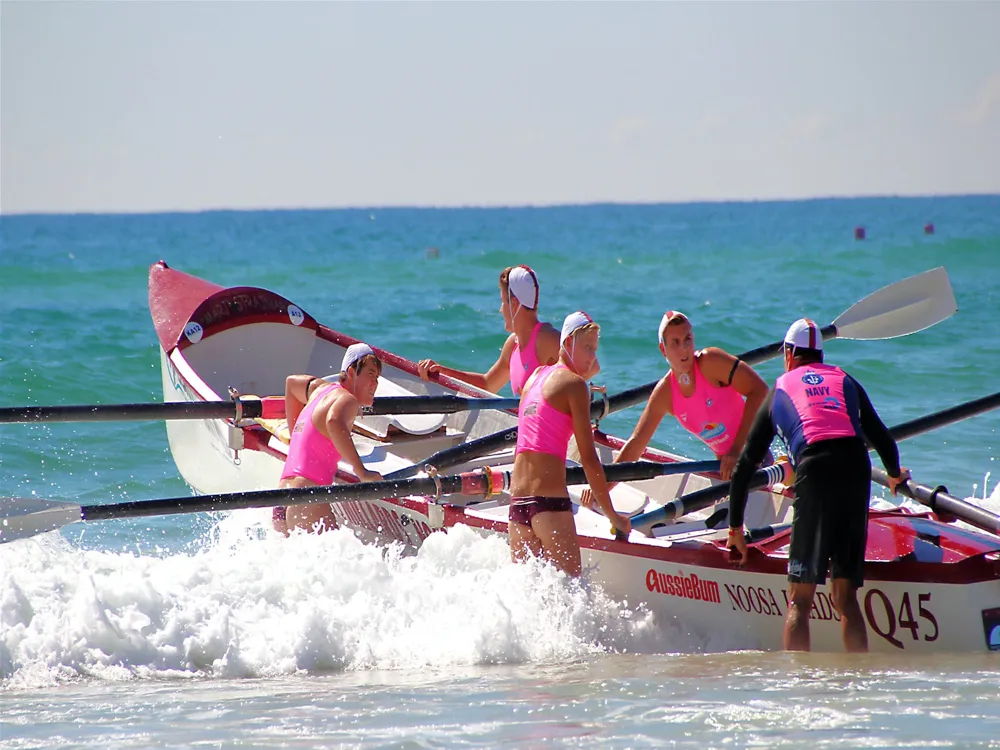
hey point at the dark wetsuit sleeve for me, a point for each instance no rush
(876, 433)
(758, 441)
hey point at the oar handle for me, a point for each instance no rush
(938, 500)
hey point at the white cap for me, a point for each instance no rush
(804, 334)
(354, 353)
(669, 316)
(574, 322)
(523, 284)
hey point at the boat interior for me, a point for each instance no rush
(231, 358)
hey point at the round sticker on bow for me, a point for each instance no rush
(296, 315)
(194, 332)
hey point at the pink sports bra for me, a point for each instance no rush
(523, 362)
(541, 427)
(311, 455)
(712, 413)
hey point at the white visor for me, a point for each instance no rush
(573, 323)
(804, 334)
(354, 353)
(669, 316)
(523, 284)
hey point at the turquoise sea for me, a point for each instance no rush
(179, 633)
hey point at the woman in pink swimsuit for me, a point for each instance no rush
(555, 406)
(519, 307)
(713, 394)
(320, 417)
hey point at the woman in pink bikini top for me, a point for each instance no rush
(555, 406)
(519, 307)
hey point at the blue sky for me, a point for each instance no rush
(136, 106)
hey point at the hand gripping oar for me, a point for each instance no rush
(25, 517)
(701, 499)
(938, 500)
(902, 308)
(239, 408)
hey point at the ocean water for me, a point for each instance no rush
(204, 631)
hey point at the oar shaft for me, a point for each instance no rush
(173, 410)
(639, 470)
(245, 408)
(436, 404)
(701, 499)
(938, 500)
(270, 498)
(945, 417)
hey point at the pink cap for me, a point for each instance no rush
(804, 334)
(573, 323)
(669, 316)
(523, 284)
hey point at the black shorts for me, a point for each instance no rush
(523, 509)
(830, 520)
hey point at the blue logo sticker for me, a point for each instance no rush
(812, 378)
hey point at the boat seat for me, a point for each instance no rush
(391, 427)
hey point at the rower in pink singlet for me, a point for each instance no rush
(311, 455)
(540, 426)
(543, 429)
(712, 413)
(531, 343)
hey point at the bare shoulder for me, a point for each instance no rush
(713, 355)
(716, 364)
(547, 344)
(662, 396)
(341, 403)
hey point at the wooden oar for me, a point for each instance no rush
(701, 499)
(25, 517)
(908, 306)
(241, 408)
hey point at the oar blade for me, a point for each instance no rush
(900, 309)
(21, 517)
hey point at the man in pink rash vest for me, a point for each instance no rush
(320, 418)
(824, 417)
(517, 361)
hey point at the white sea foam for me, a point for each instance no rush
(254, 604)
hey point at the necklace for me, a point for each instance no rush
(684, 379)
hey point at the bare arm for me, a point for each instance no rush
(297, 389)
(339, 422)
(717, 366)
(492, 380)
(660, 404)
(579, 405)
